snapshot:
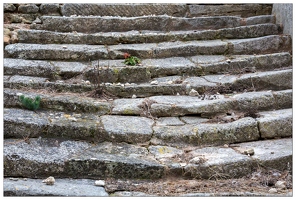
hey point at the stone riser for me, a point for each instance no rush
(63, 159)
(166, 23)
(271, 80)
(134, 37)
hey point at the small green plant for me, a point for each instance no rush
(29, 103)
(131, 60)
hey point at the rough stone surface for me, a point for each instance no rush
(271, 80)
(169, 121)
(22, 123)
(283, 13)
(279, 150)
(266, 44)
(124, 10)
(242, 130)
(131, 194)
(90, 24)
(41, 157)
(128, 129)
(56, 52)
(9, 7)
(244, 10)
(135, 36)
(63, 187)
(224, 161)
(275, 123)
(50, 8)
(28, 8)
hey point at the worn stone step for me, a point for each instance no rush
(159, 106)
(268, 124)
(204, 106)
(92, 24)
(114, 71)
(177, 10)
(237, 126)
(71, 52)
(136, 36)
(171, 85)
(40, 158)
(20, 123)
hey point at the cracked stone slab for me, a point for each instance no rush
(242, 130)
(62, 187)
(276, 123)
(129, 129)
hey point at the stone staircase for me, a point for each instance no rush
(212, 96)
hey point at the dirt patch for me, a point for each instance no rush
(259, 183)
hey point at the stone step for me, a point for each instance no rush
(176, 10)
(13, 186)
(114, 71)
(159, 106)
(92, 24)
(133, 37)
(40, 158)
(231, 126)
(72, 52)
(170, 85)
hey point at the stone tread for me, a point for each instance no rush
(269, 80)
(133, 37)
(50, 157)
(91, 24)
(116, 71)
(76, 52)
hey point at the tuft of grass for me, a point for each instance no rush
(131, 60)
(29, 103)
